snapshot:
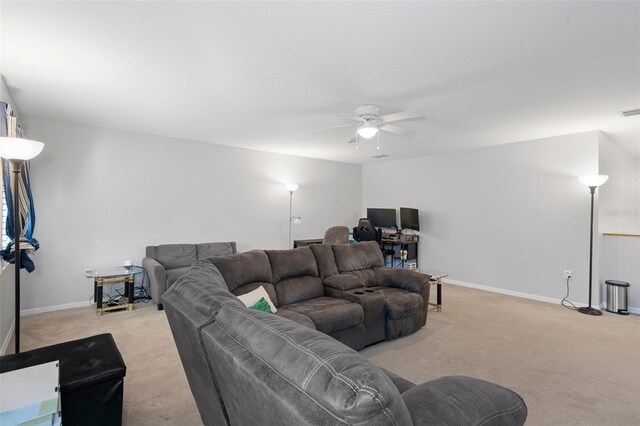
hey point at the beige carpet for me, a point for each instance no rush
(570, 368)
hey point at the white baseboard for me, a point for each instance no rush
(602, 306)
(83, 304)
(7, 338)
(33, 311)
(632, 310)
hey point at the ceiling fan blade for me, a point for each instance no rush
(353, 138)
(405, 115)
(395, 130)
(333, 127)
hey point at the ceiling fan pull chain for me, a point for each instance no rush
(378, 140)
(357, 147)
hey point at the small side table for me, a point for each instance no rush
(110, 276)
(436, 278)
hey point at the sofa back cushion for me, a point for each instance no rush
(359, 256)
(297, 289)
(244, 268)
(325, 260)
(175, 255)
(281, 372)
(292, 263)
(208, 250)
(295, 275)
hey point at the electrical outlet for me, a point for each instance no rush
(566, 275)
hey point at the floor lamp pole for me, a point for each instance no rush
(16, 167)
(17, 151)
(289, 242)
(589, 310)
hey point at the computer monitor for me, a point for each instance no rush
(383, 218)
(409, 218)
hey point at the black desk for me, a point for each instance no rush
(404, 244)
(303, 243)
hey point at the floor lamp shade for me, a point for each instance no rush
(593, 180)
(17, 151)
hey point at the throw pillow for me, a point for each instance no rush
(261, 305)
(251, 298)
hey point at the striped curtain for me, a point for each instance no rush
(9, 126)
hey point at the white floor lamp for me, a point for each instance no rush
(592, 182)
(292, 187)
(17, 151)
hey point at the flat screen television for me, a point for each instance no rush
(409, 218)
(383, 218)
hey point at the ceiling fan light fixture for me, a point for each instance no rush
(367, 131)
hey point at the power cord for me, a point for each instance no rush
(564, 300)
(140, 294)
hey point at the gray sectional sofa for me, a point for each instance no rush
(343, 290)
(246, 367)
(167, 262)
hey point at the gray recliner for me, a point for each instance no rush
(246, 367)
(167, 262)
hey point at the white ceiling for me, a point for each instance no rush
(260, 75)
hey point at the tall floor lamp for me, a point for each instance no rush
(592, 182)
(291, 187)
(17, 151)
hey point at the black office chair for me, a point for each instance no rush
(366, 231)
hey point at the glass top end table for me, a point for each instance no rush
(436, 278)
(113, 275)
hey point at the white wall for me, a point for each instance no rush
(7, 283)
(103, 195)
(620, 195)
(620, 213)
(511, 217)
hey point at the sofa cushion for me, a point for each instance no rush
(460, 400)
(354, 257)
(330, 314)
(176, 255)
(400, 303)
(207, 250)
(325, 260)
(297, 289)
(174, 274)
(244, 268)
(297, 317)
(292, 263)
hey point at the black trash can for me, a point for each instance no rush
(617, 299)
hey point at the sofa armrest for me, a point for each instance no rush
(157, 278)
(405, 279)
(373, 305)
(464, 400)
(343, 282)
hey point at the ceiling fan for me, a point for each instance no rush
(369, 121)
